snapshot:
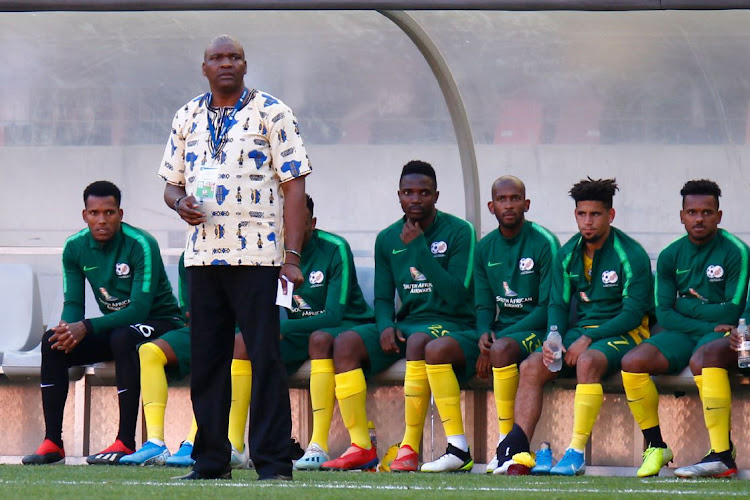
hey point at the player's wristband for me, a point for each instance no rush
(292, 264)
(293, 252)
(177, 203)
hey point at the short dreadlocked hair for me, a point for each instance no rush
(701, 187)
(590, 189)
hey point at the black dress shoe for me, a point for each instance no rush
(193, 476)
(275, 477)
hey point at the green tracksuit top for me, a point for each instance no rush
(127, 276)
(701, 286)
(432, 275)
(620, 292)
(330, 293)
(512, 278)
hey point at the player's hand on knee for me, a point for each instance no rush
(576, 349)
(484, 366)
(388, 340)
(485, 342)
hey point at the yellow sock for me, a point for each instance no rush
(699, 384)
(643, 398)
(717, 407)
(417, 399)
(444, 385)
(242, 385)
(153, 388)
(193, 431)
(588, 401)
(506, 384)
(351, 391)
(322, 397)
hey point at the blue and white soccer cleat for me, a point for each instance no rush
(240, 460)
(544, 460)
(314, 456)
(182, 457)
(149, 454)
(571, 464)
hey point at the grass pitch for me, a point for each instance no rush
(105, 482)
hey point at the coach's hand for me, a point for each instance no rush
(576, 349)
(293, 274)
(67, 336)
(187, 208)
(388, 339)
(485, 342)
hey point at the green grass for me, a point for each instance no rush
(62, 482)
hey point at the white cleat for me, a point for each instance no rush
(314, 456)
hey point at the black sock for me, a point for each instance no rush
(653, 437)
(54, 384)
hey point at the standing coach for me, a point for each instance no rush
(235, 168)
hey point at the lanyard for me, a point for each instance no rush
(217, 142)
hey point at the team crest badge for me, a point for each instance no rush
(610, 277)
(122, 269)
(714, 272)
(416, 275)
(526, 264)
(316, 277)
(438, 247)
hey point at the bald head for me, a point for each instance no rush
(220, 40)
(508, 181)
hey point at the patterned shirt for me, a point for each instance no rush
(237, 182)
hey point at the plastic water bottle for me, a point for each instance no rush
(373, 436)
(743, 355)
(554, 342)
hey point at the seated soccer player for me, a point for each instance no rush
(425, 258)
(328, 302)
(512, 270)
(169, 355)
(124, 268)
(609, 274)
(701, 283)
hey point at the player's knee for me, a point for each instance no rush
(122, 339)
(717, 353)
(532, 369)
(320, 345)
(591, 366)
(416, 345)
(636, 361)
(440, 352)
(504, 352)
(347, 348)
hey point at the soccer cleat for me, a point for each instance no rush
(182, 457)
(504, 457)
(407, 460)
(149, 454)
(713, 465)
(571, 464)
(653, 460)
(111, 455)
(544, 460)
(314, 456)
(239, 460)
(453, 460)
(47, 453)
(492, 465)
(354, 458)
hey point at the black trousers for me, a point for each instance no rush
(221, 296)
(118, 344)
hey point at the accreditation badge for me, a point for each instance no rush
(205, 183)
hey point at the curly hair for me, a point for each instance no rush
(594, 190)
